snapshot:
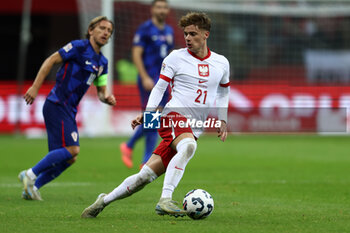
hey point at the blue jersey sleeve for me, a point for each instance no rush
(70, 50)
(101, 79)
(104, 65)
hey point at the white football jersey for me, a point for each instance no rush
(194, 82)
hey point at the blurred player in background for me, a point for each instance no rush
(152, 42)
(198, 78)
(82, 64)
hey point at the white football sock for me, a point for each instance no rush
(31, 174)
(131, 185)
(176, 168)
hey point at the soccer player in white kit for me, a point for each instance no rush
(197, 77)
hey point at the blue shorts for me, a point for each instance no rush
(144, 95)
(61, 128)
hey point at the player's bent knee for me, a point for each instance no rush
(73, 150)
(147, 174)
(71, 161)
(144, 177)
(188, 145)
(191, 148)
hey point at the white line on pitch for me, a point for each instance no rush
(56, 184)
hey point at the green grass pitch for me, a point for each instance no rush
(274, 183)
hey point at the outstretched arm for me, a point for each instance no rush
(222, 105)
(156, 95)
(146, 80)
(137, 121)
(104, 96)
(44, 70)
(153, 101)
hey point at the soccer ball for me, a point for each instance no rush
(198, 204)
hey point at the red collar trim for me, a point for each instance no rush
(202, 59)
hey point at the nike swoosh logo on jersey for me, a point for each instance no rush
(87, 62)
(203, 81)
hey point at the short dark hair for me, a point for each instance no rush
(199, 19)
(93, 23)
(155, 1)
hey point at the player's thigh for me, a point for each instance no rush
(163, 153)
(156, 164)
(62, 130)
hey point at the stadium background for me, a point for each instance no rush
(290, 62)
(269, 183)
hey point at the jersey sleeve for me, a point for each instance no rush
(225, 80)
(222, 99)
(168, 70)
(102, 79)
(70, 50)
(156, 95)
(140, 37)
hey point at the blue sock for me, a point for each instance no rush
(151, 138)
(136, 136)
(53, 158)
(50, 174)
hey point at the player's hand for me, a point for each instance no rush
(222, 131)
(137, 121)
(30, 95)
(147, 84)
(111, 100)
